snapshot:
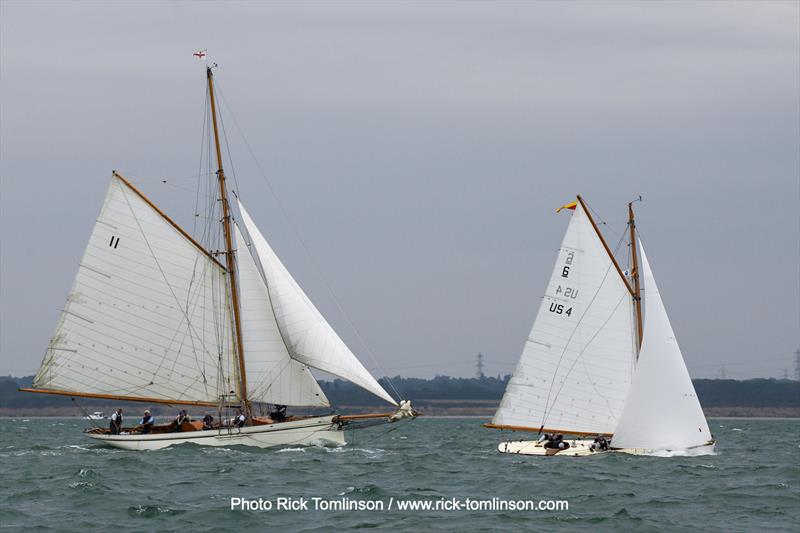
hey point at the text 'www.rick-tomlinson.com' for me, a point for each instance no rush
(394, 504)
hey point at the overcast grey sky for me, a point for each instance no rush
(420, 150)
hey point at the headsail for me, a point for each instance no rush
(575, 370)
(147, 316)
(662, 411)
(307, 335)
(272, 375)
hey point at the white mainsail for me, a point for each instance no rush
(662, 411)
(272, 375)
(575, 370)
(147, 316)
(308, 337)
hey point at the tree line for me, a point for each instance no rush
(712, 392)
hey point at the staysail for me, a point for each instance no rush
(272, 375)
(307, 336)
(575, 370)
(662, 411)
(147, 316)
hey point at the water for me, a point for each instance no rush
(54, 478)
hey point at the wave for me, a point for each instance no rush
(694, 452)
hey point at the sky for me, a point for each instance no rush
(418, 151)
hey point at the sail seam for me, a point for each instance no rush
(184, 312)
(548, 407)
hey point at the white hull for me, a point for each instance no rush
(703, 449)
(577, 448)
(580, 448)
(308, 431)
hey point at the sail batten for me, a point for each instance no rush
(576, 365)
(147, 313)
(308, 337)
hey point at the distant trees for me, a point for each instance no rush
(712, 392)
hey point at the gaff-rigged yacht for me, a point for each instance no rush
(155, 317)
(594, 366)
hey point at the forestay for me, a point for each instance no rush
(308, 337)
(147, 316)
(575, 370)
(272, 375)
(662, 411)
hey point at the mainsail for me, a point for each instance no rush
(306, 335)
(662, 411)
(273, 376)
(575, 371)
(147, 316)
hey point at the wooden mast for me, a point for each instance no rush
(637, 295)
(230, 259)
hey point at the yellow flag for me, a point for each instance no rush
(573, 205)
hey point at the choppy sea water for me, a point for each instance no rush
(55, 478)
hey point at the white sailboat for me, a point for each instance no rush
(592, 367)
(154, 317)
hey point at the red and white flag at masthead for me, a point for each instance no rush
(200, 54)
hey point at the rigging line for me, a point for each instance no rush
(184, 312)
(603, 222)
(200, 164)
(137, 178)
(224, 132)
(547, 405)
(187, 189)
(580, 357)
(306, 249)
(85, 413)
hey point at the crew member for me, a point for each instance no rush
(556, 443)
(240, 419)
(600, 444)
(147, 422)
(208, 421)
(182, 417)
(116, 422)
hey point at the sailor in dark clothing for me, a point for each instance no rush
(182, 417)
(600, 444)
(556, 442)
(208, 421)
(239, 419)
(279, 414)
(147, 422)
(116, 422)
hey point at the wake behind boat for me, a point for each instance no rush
(594, 366)
(154, 317)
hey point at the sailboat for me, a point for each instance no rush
(597, 365)
(156, 317)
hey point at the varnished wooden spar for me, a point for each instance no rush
(123, 398)
(637, 294)
(365, 416)
(230, 259)
(608, 250)
(171, 222)
(548, 430)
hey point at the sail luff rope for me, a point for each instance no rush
(305, 247)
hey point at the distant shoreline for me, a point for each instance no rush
(466, 417)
